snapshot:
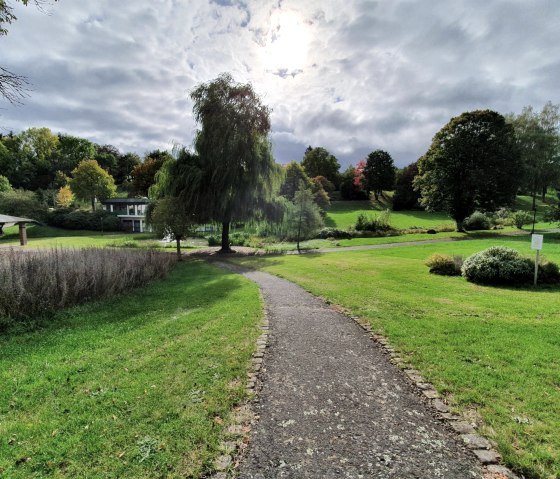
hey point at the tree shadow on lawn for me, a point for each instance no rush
(182, 290)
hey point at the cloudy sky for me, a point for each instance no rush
(349, 75)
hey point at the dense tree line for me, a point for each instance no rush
(44, 162)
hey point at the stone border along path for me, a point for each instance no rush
(332, 403)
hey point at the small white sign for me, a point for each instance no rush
(536, 242)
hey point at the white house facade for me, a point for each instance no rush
(130, 211)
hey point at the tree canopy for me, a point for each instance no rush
(39, 160)
(304, 217)
(231, 174)
(90, 182)
(169, 217)
(294, 175)
(319, 162)
(538, 141)
(472, 163)
(144, 174)
(5, 184)
(406, 197)
(379, 173)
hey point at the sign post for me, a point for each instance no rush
(536, 244)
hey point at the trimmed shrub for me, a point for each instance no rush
(100, 220)
(35, 283)
(498, 265)
(334, 233)
(521, 218)
(444, 264)
(477, 221)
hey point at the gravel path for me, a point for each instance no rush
(333, 406)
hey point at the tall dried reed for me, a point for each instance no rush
(35, 283)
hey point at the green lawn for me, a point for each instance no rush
(48, 237)
(140, 386)
(343, 215)
(493, 352)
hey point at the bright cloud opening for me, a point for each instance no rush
(287, 42)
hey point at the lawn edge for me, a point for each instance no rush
(243, 417)
(483, 449)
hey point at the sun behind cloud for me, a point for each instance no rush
(287, 43)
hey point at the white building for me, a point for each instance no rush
(130, 211)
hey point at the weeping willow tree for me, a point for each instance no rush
(231, 175)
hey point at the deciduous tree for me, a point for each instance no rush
(538, 140)
(294, 174)
(72, 150)
(5, 184)
(379, 173)
(406, 197)
(349, 189)
(319, 162)
(143, 175)
(90, 182)
(473, 162)
(231, 175)
(64, 197)
(169, 217)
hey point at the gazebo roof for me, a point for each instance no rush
(6, 220)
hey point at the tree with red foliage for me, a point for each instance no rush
(359, 174)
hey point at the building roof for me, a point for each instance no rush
(128, 201)
(6, 220)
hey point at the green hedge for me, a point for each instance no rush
(83, 220)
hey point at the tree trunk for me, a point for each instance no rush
(93, 204)
(376, 195)
(225, 239)
(460, 226)
(544, 191)
(178, 240)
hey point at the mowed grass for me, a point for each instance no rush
(493, 352)
(343, 215)
(50, 237)
(140, 386)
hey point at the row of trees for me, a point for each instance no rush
(39, 160)
(473, 162)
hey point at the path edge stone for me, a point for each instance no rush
(480, 447)
(238, 433)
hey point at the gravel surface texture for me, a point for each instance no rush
(331, 404)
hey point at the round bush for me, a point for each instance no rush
(521, 218)
(498, 265)
(549, 273)
(477, 221)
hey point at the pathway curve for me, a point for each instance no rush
(333, 406)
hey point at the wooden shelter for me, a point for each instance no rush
(8, 221)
